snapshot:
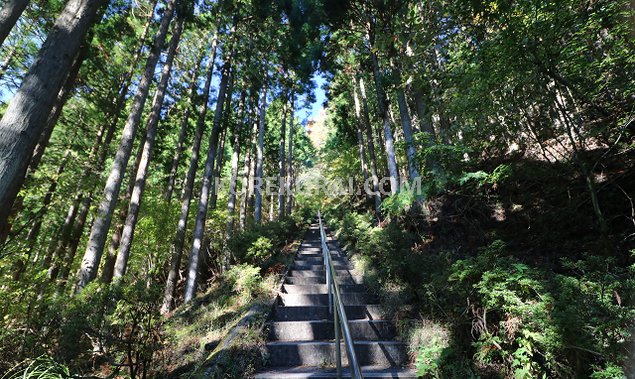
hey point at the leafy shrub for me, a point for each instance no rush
(428, 340)
(135, 323)
(259, 245)
(449, 157)
(520, 328)
(245, 280)
(260, 250)
(399, 203)
(128, 313)
(499, 175)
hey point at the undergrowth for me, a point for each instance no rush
(477, 293)
(193, 333)
(116, 330)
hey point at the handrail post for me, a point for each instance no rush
(338, 352)
(329, 276)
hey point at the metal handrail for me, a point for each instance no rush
(335, 301)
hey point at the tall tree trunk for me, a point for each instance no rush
(360, 135)
(382, 106)
(249, 165)
(188, 189)
(108, 268)
(260, 153)
(25, 117)
(64, 235)
(120, 102)
(423, 114)
(62, 96)
(220, 156)
(233, 180)
(425, 123)
(282, 163)
(184, 123)
(201, 215)
(9, 15)
(289, 183)
(272, 201)
(218, 167)
(371, 147)
(99, 230)
(51, 121)
(99, 153)
(142, 170)
(406, 124)
(75, 236)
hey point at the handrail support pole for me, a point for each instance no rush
(338, 352)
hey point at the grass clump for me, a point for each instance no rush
(43, 367)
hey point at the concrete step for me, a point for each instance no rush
(294, 299)
(300, 372)
(320, 267)
(322, 280)
(318, 260)
(310, 249)
(305, 313)
(320, 353)
(318, 252)
(361, 330)
(301, 332)
(305, 273)
(321, 288)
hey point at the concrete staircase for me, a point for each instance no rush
(301, 338)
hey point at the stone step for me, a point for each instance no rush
(361, 330)
(312, 273)
(301, 372)
(294, 299)
(305, 313)
(320, 353)
(321, 288)
(322, 280)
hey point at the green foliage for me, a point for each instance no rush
(260, 250)
(487, 81)
(499, 175)
(259, 245)
(399, 203)
(521, 320)
(123, 316)
(430, 342)
(42, 367)
(135, 323)
(609, 372)
(245, 280)
(512, 293)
